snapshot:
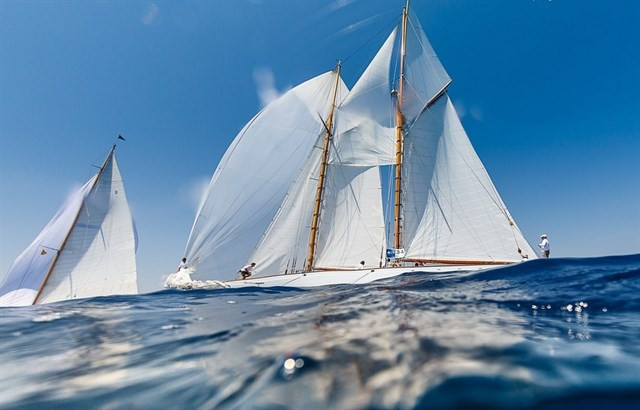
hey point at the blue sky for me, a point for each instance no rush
(548, 91)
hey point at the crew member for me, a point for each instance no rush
(183, 265)
(247, 270)
(544, 245)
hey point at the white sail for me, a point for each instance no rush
(30, 268)
(365, 123)
(424, 75)
(86, 278)
(452, 211)
(99, 257)
(352, 221)
(254, 176)
(284, 246)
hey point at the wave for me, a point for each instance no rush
(541, 334)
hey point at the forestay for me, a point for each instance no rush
(452, 210)
(254, 176)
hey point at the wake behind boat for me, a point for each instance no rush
(300, 192)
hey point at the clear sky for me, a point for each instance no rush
(548, 91)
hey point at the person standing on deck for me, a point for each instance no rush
(544, 245)
(246, 271)
(183, 265)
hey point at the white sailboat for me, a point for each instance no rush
(87, 249)
(300, 193)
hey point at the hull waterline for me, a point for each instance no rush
(342, 277)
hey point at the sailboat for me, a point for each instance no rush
(300, 190)
(87, 249)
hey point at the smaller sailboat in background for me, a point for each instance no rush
(87, 249)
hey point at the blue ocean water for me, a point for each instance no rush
(552, 334)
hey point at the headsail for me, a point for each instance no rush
(254, 176)
(452, 211)
(283, 247)
(87, 249)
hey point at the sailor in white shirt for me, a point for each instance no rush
(183, 265)
(246, 271)
(544, 245)
(361, 265)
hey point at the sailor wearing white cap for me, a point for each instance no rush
(544, 245)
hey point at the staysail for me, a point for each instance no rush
(87, 249)
(352, 223)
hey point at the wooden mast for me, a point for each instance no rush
(313, 236)
(397, 237)
(66, 238)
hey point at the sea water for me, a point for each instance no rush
(552, 334)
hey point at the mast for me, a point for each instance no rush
(397, 238)
(313, 236)
(66, 238)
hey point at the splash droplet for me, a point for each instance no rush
(289, 364)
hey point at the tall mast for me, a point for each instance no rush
(313, 236)
(397, 238)
(66, 238)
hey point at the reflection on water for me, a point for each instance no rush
(537, 334)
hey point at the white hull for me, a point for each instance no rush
(339, 277)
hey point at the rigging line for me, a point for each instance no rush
(393, 22)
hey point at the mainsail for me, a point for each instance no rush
(87, 249)
(274, 190)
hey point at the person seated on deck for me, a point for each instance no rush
(246, 271)
(183, 265)
(361, 265)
